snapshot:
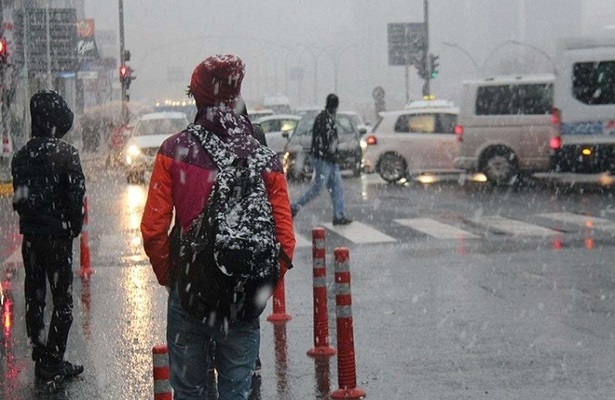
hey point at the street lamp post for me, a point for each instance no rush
(464, 51)
(517, 43)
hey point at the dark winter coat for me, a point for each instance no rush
(48, 182)
(324, 137)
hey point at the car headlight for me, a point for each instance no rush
(133, 151)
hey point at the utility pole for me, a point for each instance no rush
(426, 88)
(124, 116)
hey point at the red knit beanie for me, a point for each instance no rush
(217, 80)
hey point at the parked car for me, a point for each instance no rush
(417, 140)
(274, 127)
(297, 160)
(147, 136)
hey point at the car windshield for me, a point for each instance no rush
(344, 125)
(160, 126)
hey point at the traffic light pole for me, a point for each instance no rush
(426, 86)
(124, 116)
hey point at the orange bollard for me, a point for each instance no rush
(85, 271)
(162, 386)
(321, 317)
(346, 368)
(279, 304)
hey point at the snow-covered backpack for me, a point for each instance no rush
(229, 257)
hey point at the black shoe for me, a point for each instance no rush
(51, 370)
(72, 370)
(342, 221)
(294, 211)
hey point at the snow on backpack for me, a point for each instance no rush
(229, 257)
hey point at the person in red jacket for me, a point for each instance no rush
(181, 181)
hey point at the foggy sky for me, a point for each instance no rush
(167, 39)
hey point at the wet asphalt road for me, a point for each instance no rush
(485, 315)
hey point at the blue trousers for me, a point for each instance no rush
(329, 174)
(236, 347)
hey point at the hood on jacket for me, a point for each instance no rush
(51, 116)
(230, 126)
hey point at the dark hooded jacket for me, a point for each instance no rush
(325, 139)
(48, 182)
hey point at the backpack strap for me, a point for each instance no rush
(223, 157)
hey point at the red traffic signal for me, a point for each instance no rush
(124, 73)
(3, 50)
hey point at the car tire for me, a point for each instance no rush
(500, 166)
(392, 167)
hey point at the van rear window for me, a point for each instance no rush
(532, 99)
(593, 83)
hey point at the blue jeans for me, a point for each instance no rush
(329, 174)
(235, 354)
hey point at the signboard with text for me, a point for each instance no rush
(406, 43)
(30, 37)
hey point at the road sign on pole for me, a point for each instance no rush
(406, 43)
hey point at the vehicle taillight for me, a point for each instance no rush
(556, 139)
(459, 132)
(556, 116)
(371, 140)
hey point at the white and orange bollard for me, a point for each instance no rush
(319, 278)
(346, 368)
(162, 386)
(279, 304)
(86, 269)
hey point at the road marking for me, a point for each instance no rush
(514, 227)
(581, 220)
(435, 228)
(357, 232)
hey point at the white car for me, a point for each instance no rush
(277, 129)
(415, 141)
(255, 114)
(147, 136)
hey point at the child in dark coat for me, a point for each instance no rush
(49, 191)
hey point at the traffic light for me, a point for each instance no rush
(126, 76)
(3, 51)
(124, 73)
(434, 66)
(421, 68)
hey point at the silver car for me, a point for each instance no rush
(297, 159)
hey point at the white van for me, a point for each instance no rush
(583, 131)
(504, 126)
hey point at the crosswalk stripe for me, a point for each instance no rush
(435, 228)
(581, 220)
(357, 232)
(513, 227)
